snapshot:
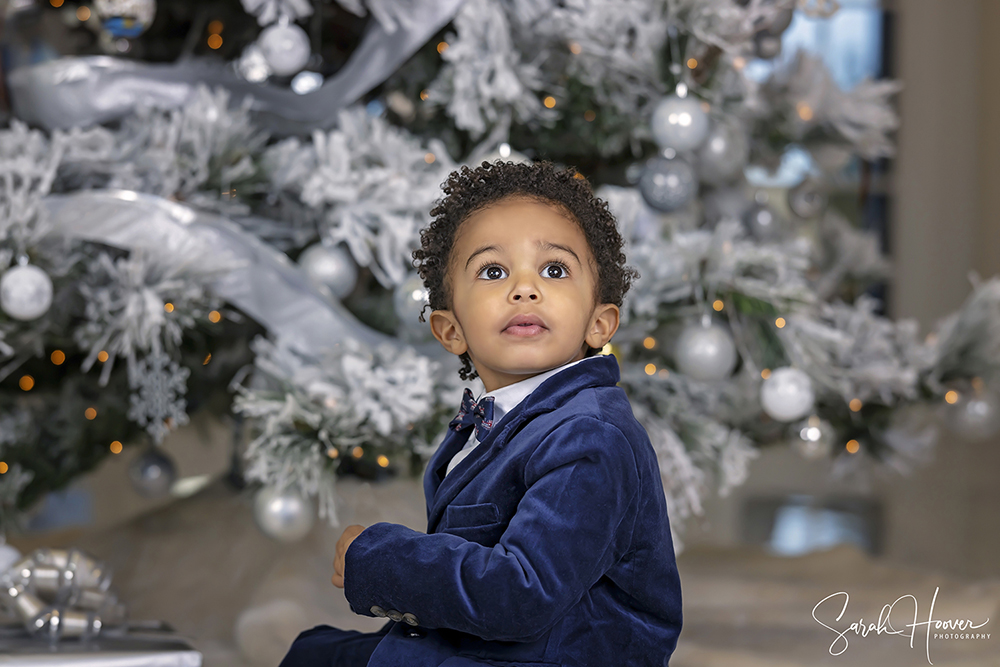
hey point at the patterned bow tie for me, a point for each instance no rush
(480, 414)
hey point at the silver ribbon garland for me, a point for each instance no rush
(85, 91)
(266, 285)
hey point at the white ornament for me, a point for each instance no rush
(285, 47)
(283, 515)
(679, 123)
(705, 352)
(152, 473)
(333, 267)
(409, 300)
(125, 18)
(25, 292)
(667, 185)
(812, 437)
(724, 154)
(787, 394)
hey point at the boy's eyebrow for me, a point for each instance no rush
(542, 245)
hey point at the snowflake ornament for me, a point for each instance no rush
(158, 388)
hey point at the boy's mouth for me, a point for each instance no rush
(524, 330)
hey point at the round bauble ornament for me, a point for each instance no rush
(284, 515)
(408, 300)
(976, 415)
(781, 21)
(125, 18)
(705, 352)
(667, 185)
(152, 473)
(763, 223)
(787, 394)
(25, 292)
(807, 200)
(679, 123)
(724, 154)
(725, 204)
(330, 266)
(813, 437)
(766, 45)
(286, 48)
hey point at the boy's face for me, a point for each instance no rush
(517, 274)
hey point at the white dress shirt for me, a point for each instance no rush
(506, 399)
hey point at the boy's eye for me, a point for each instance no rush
(551, 270)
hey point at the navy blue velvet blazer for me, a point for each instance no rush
(548, 545)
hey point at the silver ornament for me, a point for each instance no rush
(725, 204)
(976, 416)
(763, 223)
(781, 21)
(766, 45)
(813, 437)
(284, 515)
(724, 154)
(152, 473)
(25, 292)
(679, 123)
(667, 185)
(705, 352)
(807, 200)
(286, 48)
(125, 18)
(408, 301)
(332, 267)
(787, 394)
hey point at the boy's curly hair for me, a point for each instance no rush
(470, 190)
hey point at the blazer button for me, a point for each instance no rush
(410, 618)
(414, 633)
(394, 615)
(377, 610)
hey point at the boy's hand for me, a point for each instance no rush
(345, 540)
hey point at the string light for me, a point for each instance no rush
(442, 47)
(383, 460)
(357, 452)
(739, 63)
(90, 413)
(215, 27)
(424, 95)
(58, 357)
(102, 356)
(26, 382)
(766, 373)
(3, 468)
(214, 41)
(332, 453)
(207, 359)
(578, 176)
(852, 446)
(589, 115)
(804, 110)
(575, 48)
(169, 307)
(977, 384)
(116, 447)
(692, 63)
(429, 158)
(650, 369)
(549, 102)
(83, 13)
(718, 305)
(664, 373)
(855, 404)
(214, 317)
(649, 342)
(951, 397)
(56, 3)
(780, 322)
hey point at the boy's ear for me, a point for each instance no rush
(604, 325)
(448, 331)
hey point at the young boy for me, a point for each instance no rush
(547, 537)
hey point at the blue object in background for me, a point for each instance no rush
(63, 509)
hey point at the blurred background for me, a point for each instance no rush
(211, 360)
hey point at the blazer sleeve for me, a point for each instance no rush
(573, 522)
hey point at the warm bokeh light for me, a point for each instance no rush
(650, 369)
(214, 317)
(116, 447)
(951, 397)
(549, 101)
(718, 305)
(357, 452)
(977, 384)
(429, 158)
(58, 357)
(207, 359)
(83, 13)
(332, 453)
(102, 356)
(424, 95)
(780, 322)
(855, 404)
(692, 63)
(663, 373)
(589, 115)
(442, 47)
(90, 413)
(215, 27)
(739, 62)
(26, 382)
(853, 446)
(169, 307)
(56, 3)
(766, 373)
(649, 342)
(214, 41)
(575, 48)
(3, 468)
(804, 110)
(383, 460)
